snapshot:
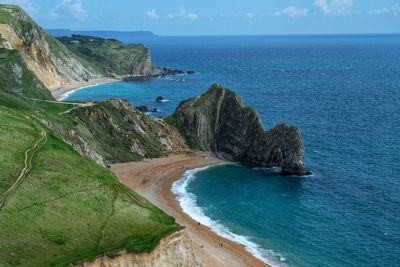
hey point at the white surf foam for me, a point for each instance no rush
(268, 169)
(189, 205)
(67, 94)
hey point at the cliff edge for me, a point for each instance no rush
(51, 62)
(174, 250)
(218, 121)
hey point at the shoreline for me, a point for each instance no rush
(154, 180)
(62, 92)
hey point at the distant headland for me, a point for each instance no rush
(103, 34)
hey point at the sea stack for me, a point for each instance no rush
(218, 122)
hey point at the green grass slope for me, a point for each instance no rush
(13, 127)
(114, 130)
(111, 57)
(68, 208)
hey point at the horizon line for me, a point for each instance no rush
(233, 34)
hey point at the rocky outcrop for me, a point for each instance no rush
(160, 99)
(218, 121)
(155, 72)
(142, 65)
(118, 132)
(174, 250)
(51, 62)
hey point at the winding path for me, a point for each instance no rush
(28, 166)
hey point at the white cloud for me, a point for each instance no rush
(334, 6)
(394, 10)
(24, 4)
(152, 14)
(293, 12)
(182, 13)
(250, 15)
(188, 15)
(74, 7)
(193, 16)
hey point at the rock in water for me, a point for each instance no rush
(159, 99)
(218, 121)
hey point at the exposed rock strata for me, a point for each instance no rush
(121, 133)
(174, 250)
(218, 121)
(16, 78)
(52, 63)
(57, 66)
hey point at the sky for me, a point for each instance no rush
(218, 17)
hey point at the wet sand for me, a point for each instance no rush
(59, 92)
(154, 178)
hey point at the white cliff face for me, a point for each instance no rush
(174, 250)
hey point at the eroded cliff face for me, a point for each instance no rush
(143, 64)
(218, 121)
(174, 250)
(114, 131)
(51, 62)
(16, 78)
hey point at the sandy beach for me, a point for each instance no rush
(154, 178)
(59, 92)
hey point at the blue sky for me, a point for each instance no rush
(202, 17)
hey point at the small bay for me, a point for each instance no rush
(344, 94)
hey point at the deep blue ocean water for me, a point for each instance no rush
(344, 94)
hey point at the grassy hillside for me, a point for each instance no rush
(15, 77)
(110, 56)
(110, 131)
(67, 208)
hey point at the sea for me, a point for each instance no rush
(343, 92)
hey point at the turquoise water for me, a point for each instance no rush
(344, 94)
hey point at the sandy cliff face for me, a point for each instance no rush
(218, 121)
(174, 250)
(52, 63)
